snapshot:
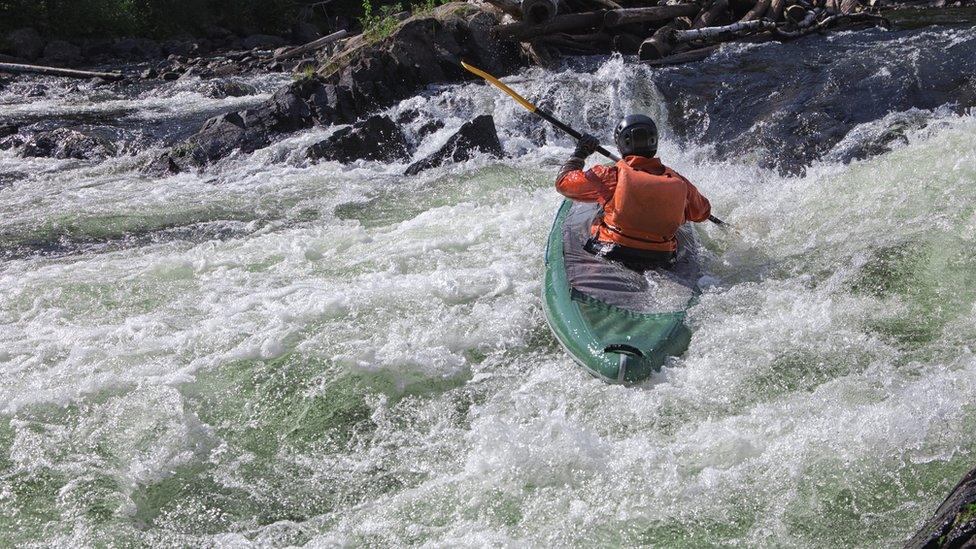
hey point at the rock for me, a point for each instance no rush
(181, 48)
(407, 116)
(304, 32)
(954, 523)
(376, 138)
(226, 70)
(148, 73)
(219, 89)
(98, 82)
(137, 48)
(261, 41)
(67, 143)
(9, 178)
(7, 130)
(477, 135)
(59, 51)
(11, 142)
(424, 50)
(26, 43)
(169, 76)
(429, 127)
(36, 90)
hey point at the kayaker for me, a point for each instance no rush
(643, 201)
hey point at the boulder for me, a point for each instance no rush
(261, 42)
(26, 43)
(137, 48)
(477, 135)
(376, 138)
(954, 522)
(219, 89)
(59, 51)
(304, 32)
(424, 50)
(67, 143)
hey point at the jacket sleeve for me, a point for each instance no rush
(697, 207)
(593, 185)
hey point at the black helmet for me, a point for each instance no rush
(636, 134)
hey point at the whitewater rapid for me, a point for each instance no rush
(278, 353)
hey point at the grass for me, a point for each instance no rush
(377, 26)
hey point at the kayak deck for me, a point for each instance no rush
(619, 324)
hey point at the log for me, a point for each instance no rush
(312, 46)
(711, 17)
(561, 23)
(833, 20)
(757, 11)
(16, 68)
(626, 43)
(616, 18)
(510, 7)
(587, 44)
(721, 34)
(660, 44)
(537, 12)
(689, 56)
(776, 10)
(608, 4)
(795, 13)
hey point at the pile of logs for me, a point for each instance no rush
(669, 31)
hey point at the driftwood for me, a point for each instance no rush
(757, 11)
(537, 12)
(511, 7)
(616, 18)
(713, 15)
(561, 23)
(833, 20)
(665, 33)
(16, 68)
(713, 34)
(684, 57)
(312, 46)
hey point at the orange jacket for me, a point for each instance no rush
(644, 202)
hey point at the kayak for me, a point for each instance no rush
(620, 325)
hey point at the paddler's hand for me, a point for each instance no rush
(586, 146)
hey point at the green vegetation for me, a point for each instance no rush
(377, 26)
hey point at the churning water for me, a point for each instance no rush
(278, 353)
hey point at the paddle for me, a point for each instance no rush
(552, 120)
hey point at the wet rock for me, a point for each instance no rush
(182, 48)
(261, 42)
(762, 104)
(67, 143)
(170, 76)
(137, 48)
(954, 522)
(303, 33)
(59, 51)
(220, 89)
(149, 73)
(12, 142)
(477, 135)
(429, 127)
(36, 90)
(7, 130)
(9, 178)
(26, 43)
(226, 70)
(423, 51)
(407, 116)
(376, 138)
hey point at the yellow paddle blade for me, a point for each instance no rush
(522, 101)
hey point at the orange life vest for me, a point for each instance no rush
(645, 211)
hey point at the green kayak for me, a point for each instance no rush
(618, 324)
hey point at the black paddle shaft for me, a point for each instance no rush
(577, 135)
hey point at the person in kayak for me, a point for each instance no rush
(643, 201)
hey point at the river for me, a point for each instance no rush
(277, 353)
